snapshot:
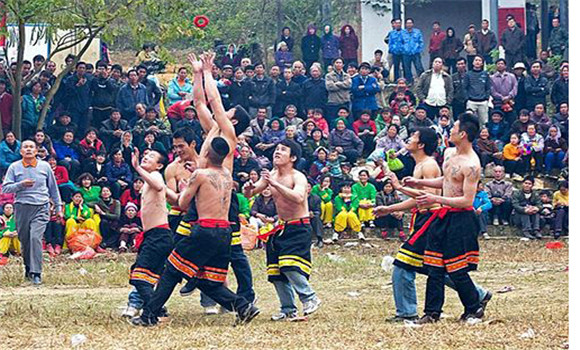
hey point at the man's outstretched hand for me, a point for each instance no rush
(195, 63)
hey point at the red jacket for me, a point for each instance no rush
(436, 40)
(6, 110)
(61, 174)
(359, 126)
(177, 110)
(322, 125)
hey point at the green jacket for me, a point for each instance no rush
(244, 205)
(74, 212)
(10, 225)
(365, 192)
(91, 196)
(519, 201)
(340, 204)
(325, 195)
(558, 40)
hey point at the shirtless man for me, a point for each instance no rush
(409, 258)
(288, 248)
(452, 246)
(157, 241)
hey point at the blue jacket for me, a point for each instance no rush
(78, 98)
(115, 173)
(364, 98)
(126, 100)
(412, 42)
(7, 156)
(174, 88)
(330, 46)
(498, 131)
(482, 201)
(395, 41)
(64, 150)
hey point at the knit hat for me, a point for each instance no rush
(421, 106)
(131, 205)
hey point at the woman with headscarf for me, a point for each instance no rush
(310, 46)
(330, 46)
(348, 45)
(450, 49)
(555, 148)
(286, 37)
(231, 57)
(283, 57)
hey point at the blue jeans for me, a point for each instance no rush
(135, 299)
(408, 61)
(285, 290)
(405, 292)
(554, 160)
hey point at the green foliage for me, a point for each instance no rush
(490, 68)
(555, 61)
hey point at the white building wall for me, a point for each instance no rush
(374, 30)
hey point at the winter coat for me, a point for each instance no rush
(436, 40)
(346, 139)
(8, 156)
(395, 42)
(425, 82)
(502, 85)
(103, 92)
(107, 129)
(118, 172)
(348, 44)
(498, 131)
(310, 46)
(364, 98)
(127, 100)
(482, 201)
(31, 108)
(78, 98)
(330, 46)
(174, 88)
(513, 41)
(484, 43)
(287, 94)
(283, 58)
(536, 90)
(412, 42)
(458, 90)
(314, 93)
(451, 47)
(558, 41)
(64, 150)
(262, 92)
(477, 85)
(239, 93)
(338, 86)
(560, 91)
(519, 201)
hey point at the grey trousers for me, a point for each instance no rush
(31, 221)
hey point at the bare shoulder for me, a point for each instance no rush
(472, 168)
(430, 168)
(298, 175)
(170, 169)
(449, 152)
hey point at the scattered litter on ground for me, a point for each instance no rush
(506, 289)
(83, 271)
(350, 244)
(473, 321)
(524, 239)
(77, 339)
(387, 263)
(529, 334)
(353, 294)
(554, 245)
(335, 257)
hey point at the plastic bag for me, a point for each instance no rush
(86, 254)
(249, 236)
(394, 164)
(82, 239)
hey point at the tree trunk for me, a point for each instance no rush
(326, 12)
(17, 87)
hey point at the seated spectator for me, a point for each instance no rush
(520, 126)
(547, 213)
(402, 85)
(512, 157)
(383, 119)
(334, 163)
(54, 234)
(312, 143)
(315, 209)
(9, 242)
(527, 207)
(258, 126)
(118, 173)
(152, 122)
(320, 122)
(96, 167)
(150, 142)
(500, 192)
(388, 196)
(283, 57)
(396, 120)
(139, 114)
(291, 133)
(190, 120)
(112, 129)
(324, 190)
(91, 193)
(179, 87)
(391, 140)
(555, 148)
(291, 117)
(444, 127)
(133, 194)
(401, 97)
(9, 151)
(78, 216)
(243, 165)
(109, 210)
(68, 154)
(65, 186)
(319, 167)
(126, 146)
(129, 227)
(346, 205)
(263, 212)
(90, 145)
(488, 150)
(498, 129)
(345, 141)
(366, 130)
(43, 140)
(560, 119)
(420, 120)
(62, 124)
(5, 197)
(560, 202)
(405, 113)
(532, 145)
(271, 138)
(366, 194)
(541, 119)
(481, 205)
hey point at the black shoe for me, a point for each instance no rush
(247, 315)
(189, 288)
(163, 312)
(142, 321)
(398, 319)
(557, 234)
(477, 315)
(537, 235)
(428, 318)
(319, 244)
(528, 235)
(486, 300)
(27, 274)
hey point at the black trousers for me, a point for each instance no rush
(502, 211)
(436, 290)
(54, 233)
(316, 224)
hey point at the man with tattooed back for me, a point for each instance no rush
(452, 245)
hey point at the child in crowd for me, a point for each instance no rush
(482, 204)
(9, 242)
(130, 227)
(54, 234)
(388, 196)
(512, 156)
(346, 205)
(78, 216)
(334, 162)
(319, 166)
(324, 191)
(366, 194)
(547, 213)
(263, 214)
(315, 207)
(400, 97)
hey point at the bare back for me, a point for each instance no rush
(427, 169)
(289, 210)
(460, 170)
(213, 194)
(153, 208)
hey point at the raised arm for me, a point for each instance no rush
(204, 114)
(296, 194)
(189, 192)
(155, 181)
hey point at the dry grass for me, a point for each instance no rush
(71, 303)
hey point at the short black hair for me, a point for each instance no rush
(187, 134)
(38, 58)
(101, 63)
(117, 67)
(163, 158)
(500, 60)
(529, 178)
(364, 171)
(469, 123)
(85, 176)
(461, 59)
(243, 119)
(336, 59)
(151, 109)
(295, 148)
(428, 137)
(80, 63)
(218, 151)
(379, 51)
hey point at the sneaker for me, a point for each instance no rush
(372, 224)
(401, 319)
(57, 249)
(283, 316)
(528, 235)
(163, 313)
(486, 300)
(211, 310)
(328, 225)
(537, 234)
(319, 244)
(428, 318)
(361, 236)
(505, 222)
(474, 315)
(130, 312)
(385, 234)
(50, 249)
(335, 237)
(247, 315)
(140, 321)
(495, 222)
(36, 279)
(311, 306)
(486, 235)
(27, 275)
(188, 289)
(402, 236)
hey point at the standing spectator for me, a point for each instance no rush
(547, 70)
(286, 37)
(231, 57)
(412, 47)
(179, 87)
(459, 97)
(521, 98)
(153, 123)
(536, 86)
(437, 37)
(504, 88)
(34, 184)
(364, 88)
(239, 90)
(513, 42)
(558, 38)
(532, 30)
(78, 95)
(330, 46)
(68, 153)
(283, 56)
(366, 130)
(298, 72)
(527, 207)
(380, 64)
(345, 141)
(287, 93)
(154, 94)
(561, 205)
(485, 41)
(62, 124)
(314, 92)
(9, 151)
(469, 42)
(310, 46)
(477, 85)
(112, 129)
(348, 44)
(32, 104)
(532, 145)
(262, 91)
(435, 88)
(481, 205)
(560, 119)
(500, 193)
(5, 106)
(103, 94)
(559, 89)
(395, 42)
(338, 85)
(131, 94)
(451, 46)
(555, 148)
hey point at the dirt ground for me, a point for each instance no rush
(87, 298)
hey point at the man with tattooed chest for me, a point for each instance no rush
(452, 245)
